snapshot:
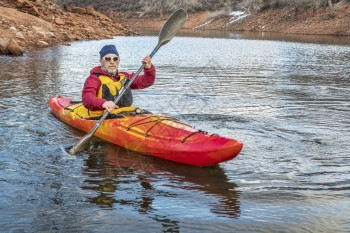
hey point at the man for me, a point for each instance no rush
(105, 81)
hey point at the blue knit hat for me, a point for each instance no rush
(108, 49)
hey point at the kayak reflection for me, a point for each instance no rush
(124, 177)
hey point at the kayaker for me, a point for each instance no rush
(104, 81)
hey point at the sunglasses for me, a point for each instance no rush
(110, 58)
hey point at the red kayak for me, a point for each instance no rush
(153, 134)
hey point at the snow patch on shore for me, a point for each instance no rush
(202, 25)
(235, 16)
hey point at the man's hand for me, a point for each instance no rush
(147, 61)
(109, 106)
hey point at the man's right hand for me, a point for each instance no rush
(109, 106)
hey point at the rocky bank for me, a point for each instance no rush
(284, 20)
(26, 25)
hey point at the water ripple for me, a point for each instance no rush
(288, 102)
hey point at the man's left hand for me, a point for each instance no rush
(147, 61)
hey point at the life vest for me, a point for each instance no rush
(109, 90)
(79, 110)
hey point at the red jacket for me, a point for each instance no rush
(92, 85)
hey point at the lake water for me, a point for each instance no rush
(286, 98)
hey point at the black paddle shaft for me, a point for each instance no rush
(170, 28)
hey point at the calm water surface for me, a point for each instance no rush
(287, 100)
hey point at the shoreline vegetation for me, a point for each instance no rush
(27, 25)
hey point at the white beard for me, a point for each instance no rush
(109, 73)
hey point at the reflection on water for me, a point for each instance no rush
(247, 35)
(109, 167)
(287, 101)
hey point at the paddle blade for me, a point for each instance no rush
(172, 26)
(82, 145)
